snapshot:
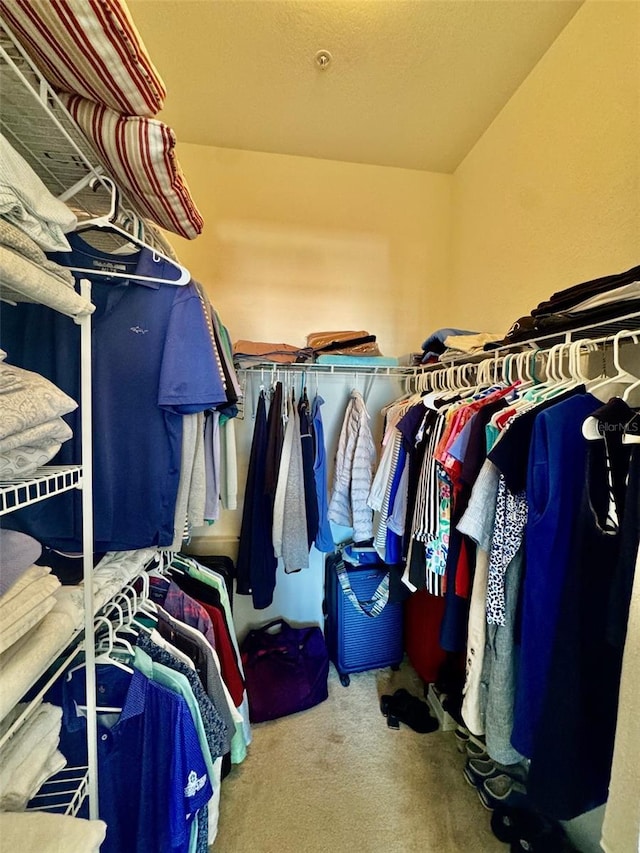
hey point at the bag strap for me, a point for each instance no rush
(380, 597)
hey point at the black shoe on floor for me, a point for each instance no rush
(410, 710)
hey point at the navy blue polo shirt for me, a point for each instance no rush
(152, 774)
(152, 361)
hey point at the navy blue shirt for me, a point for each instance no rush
(152, 361)
(152, 775)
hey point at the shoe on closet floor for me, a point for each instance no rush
(475, 750)
(410, 710)
(542, 837)
(501, 790)
(462, 738)
(476, 770)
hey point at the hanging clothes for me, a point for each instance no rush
(581, 699)
(355, 460)
(290, 498)
(153, 775)
(557, 461)
(324, 538)
(162, 330)
(257, 563)
(307, 442)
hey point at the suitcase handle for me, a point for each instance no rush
(372, 607)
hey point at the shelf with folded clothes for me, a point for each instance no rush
(267, 368)
(625, 325)
(45, 482)
(605, 327)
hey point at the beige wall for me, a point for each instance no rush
(292, 245)
(550, 195)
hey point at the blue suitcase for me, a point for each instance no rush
(358, 642)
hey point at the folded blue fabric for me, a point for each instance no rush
(434, 344)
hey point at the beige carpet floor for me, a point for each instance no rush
(336, 779)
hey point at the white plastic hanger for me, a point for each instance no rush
(108, 223)
(622, 382)
(614, 386)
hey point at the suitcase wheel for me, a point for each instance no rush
(345, 680)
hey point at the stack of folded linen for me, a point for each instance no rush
(38, 832)
(31, 426)
(27, 658)
(33, 221)
(26, 603)
(30, 757)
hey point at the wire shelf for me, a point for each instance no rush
(39, 127)
(43, 483)
(63, 794)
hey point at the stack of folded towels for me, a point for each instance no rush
(37, 617)
(30, 757)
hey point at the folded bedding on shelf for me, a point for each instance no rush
(25, 461)
(18, 553)
(31, 575)
(40, 832)
(91, 49)
(22, 664)
(25, 607)
(13, 238)
(22, 280)
(140, 155)
(54, 430)
(25, 201)
(30, 757)
(31, 402)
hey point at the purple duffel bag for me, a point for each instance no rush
(285, 671)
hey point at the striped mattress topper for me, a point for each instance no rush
(90, 48)
(139, 154)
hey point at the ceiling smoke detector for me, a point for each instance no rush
(323, 59)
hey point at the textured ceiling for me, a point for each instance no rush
(412, 83)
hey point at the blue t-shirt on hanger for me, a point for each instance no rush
(152, 362)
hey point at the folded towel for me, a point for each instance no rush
(39, 832)
(27, 659)
(25, 201)
(29, 607)
(30, 757)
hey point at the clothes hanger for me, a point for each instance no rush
(614, 386)
(622, 382)
(107, 222)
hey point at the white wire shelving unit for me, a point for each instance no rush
(37, 125)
